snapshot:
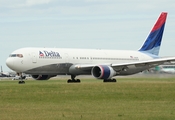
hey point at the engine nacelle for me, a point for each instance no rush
(103, 72)
(41, 77)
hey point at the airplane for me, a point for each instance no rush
(4, 74)
(44, 63)
(7, 74)
(170, 69)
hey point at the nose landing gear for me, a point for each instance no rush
(21, 78)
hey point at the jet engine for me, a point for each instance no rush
(103, 72)
(42, 77)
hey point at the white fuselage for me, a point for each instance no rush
(55, 61)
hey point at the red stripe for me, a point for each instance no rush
(161, 20)
(102, 71)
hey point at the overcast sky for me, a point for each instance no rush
(104, 24)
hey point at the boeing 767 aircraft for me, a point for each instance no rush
(44, 63)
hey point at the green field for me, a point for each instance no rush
(129, 98)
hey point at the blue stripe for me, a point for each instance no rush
(106, 72)
(153, 42)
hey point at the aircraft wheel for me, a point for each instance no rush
(114, 80)
(109, 80)
(69, 81)
(73, 81)
(105, 80)
(21, 82)
(78, 80)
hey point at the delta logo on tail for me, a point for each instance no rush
(48, 54)
(153, 41)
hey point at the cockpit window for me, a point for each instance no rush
(16, 55)
(12, 55)
(19, 55)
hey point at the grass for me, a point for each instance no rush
(129, 98)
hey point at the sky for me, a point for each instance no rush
(96, 24)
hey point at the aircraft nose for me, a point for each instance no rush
(9, 63)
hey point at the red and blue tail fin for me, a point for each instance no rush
(153, 42)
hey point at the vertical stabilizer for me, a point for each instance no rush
(153, 42)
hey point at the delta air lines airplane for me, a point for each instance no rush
(44, 63)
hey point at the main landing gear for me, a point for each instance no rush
(109, 80)
(73, 80)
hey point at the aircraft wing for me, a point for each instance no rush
(89, 66)
(121, 66)
(149, 63)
